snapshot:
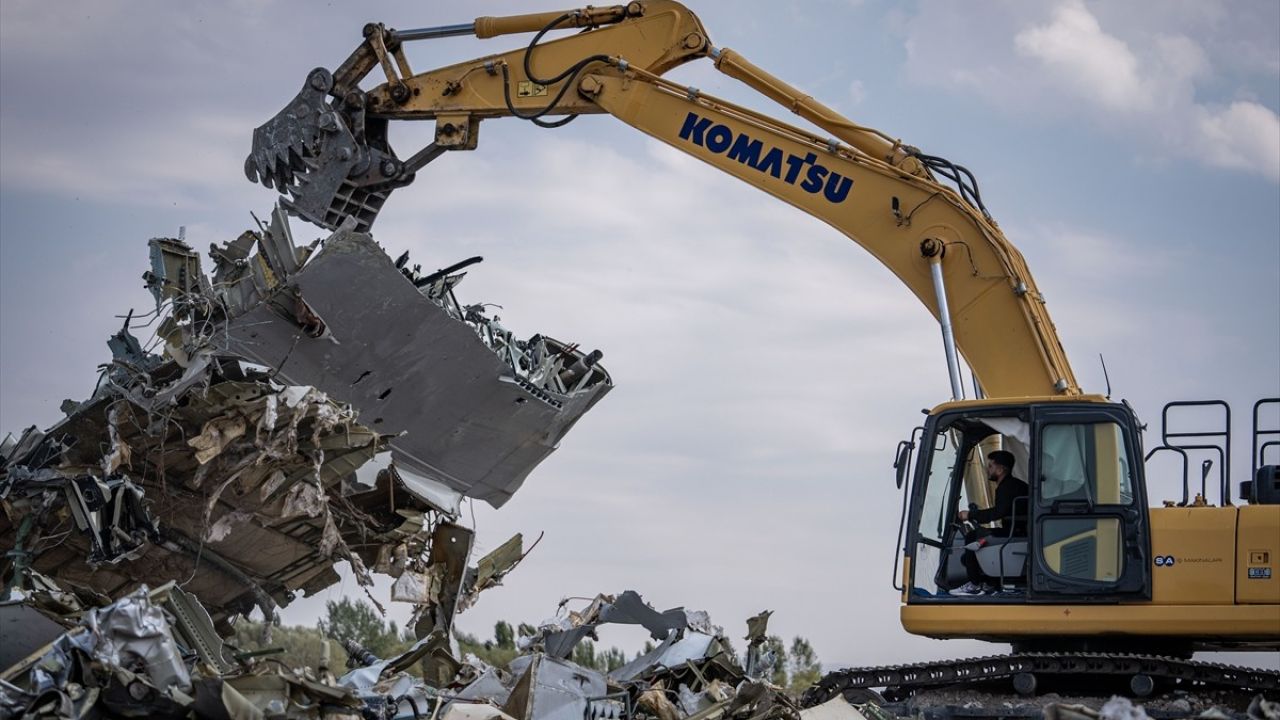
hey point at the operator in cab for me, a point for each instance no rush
(1008, 490)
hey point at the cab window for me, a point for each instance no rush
(1085, 462)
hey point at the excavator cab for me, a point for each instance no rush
(1080, 536)
(1087, 563)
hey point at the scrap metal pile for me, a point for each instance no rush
(311, 404)
(157, 653)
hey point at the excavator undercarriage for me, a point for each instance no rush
(1029, 674)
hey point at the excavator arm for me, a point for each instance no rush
(329, 151)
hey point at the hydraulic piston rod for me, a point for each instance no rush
(932, 250)
(489, 27)
(431, 33)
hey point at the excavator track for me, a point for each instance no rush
(1144, 672)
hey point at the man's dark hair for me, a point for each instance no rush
(1002, 457)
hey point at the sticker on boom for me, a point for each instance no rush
(791, 169)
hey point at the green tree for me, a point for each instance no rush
(489, 652)
(500, 651)
(773, 660)
(612, 659)
(805, 668)
(584, 654)
(503, 636)
(358, 622)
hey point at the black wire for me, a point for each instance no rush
(965, 181)
(511, 108)
(571, 73)
(968, 190)
(554, 123)
(534, 43)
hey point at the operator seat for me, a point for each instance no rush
(1004, 556)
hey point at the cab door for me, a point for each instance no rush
(1090, 538)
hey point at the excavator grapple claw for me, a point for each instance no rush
(328, 159)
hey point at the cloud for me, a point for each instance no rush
(857, 92)
(1157, 88)
(1244, 135)
(142, 166)
(1084, 57)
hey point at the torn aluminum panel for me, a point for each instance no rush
(440, 496)
(551, 689)
(671, 653)
(489, 686)
(760, 699)
(135, 630)
(474, 711)
(758, 664)
(490, 569)
(472, 408)
(447, 565)
(837, 708)
(559, 638)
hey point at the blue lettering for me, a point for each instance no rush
(772, 163)
(813, 179)
(695, 126)
(837, 188)
(795, 163)
(718, 139)
(745, 150)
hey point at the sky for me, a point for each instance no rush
(766, 367)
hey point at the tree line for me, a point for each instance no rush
(794, 666)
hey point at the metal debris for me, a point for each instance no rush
(470, 406)
(837, 708)
(307, 405)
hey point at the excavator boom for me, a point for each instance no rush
(329, 151)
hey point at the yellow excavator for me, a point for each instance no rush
(1086, 577)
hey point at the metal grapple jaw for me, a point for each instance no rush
(329, 159)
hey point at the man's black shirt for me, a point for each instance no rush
(1009, 489)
